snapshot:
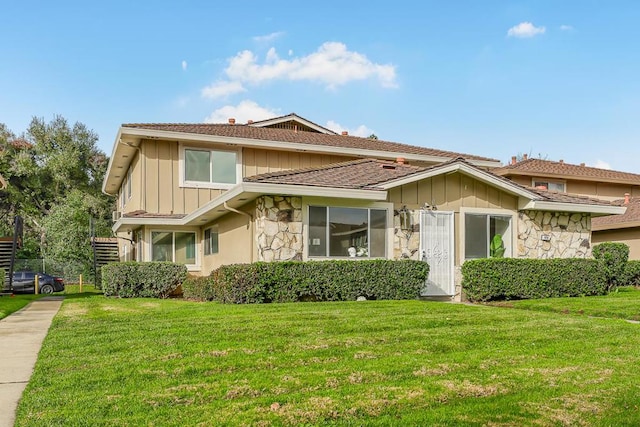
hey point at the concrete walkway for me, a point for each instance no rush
(21, 336)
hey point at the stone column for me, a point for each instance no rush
(278, 228)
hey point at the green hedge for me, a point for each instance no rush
(290, 281)
(517, 278)
(614, 256)
(142, 279)
(3, 273)
(631, 276)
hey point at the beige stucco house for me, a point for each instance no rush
(286, 188)
(621, 188)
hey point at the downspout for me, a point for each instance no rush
(249, 225)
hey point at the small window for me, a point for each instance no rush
(172, 246)
(487, 236)
(210, 166)
(211, 240)
(550, 185)
(129, 183)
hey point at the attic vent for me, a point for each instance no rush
(388, 166)
(345, 133)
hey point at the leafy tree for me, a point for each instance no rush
(53, 169)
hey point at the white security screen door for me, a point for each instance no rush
(436, 248)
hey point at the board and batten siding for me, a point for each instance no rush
(450, 193)
(258, 161)
(156, 186)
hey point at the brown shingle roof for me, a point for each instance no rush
(547, 168)
(363, 174)
(145, 214)
(556, 196)
(630, 218)
(300, 137)
(369, 174)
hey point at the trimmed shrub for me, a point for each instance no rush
(517, 278)
(631, 276)
(142, 279)
(614, 257)
(3, 273)
(199, 288)
(289, 281)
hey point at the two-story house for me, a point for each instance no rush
(288, 189)
(621, 188)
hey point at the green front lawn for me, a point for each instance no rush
(622, 304)
(150, 362)
(12, 303)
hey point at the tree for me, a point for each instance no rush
(52, 168)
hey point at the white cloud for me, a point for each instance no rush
(244, 111)
(525, 30)
(566, 28)
(601, 164)
(221, 89)
(361, 130)
(332, 64)
(184, 65)
(268, 38)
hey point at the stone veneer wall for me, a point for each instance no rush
(279, 228)
(569, 235)
(406, 243)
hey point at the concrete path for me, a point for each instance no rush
(21, 336)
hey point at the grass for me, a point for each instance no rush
(12, 303)
(149, 362)
(622, 304)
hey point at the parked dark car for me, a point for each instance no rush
(25, 282)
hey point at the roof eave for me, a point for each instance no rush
(566, 177)
(595, 210)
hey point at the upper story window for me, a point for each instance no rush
(550, 185)
(209, 168)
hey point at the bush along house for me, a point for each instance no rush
(288, 189)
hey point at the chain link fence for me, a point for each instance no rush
(70, 271)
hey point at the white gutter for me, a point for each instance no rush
(469, 170)
(294, 146)
(545, 205)
(254, 189)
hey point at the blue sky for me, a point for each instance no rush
(558, 79)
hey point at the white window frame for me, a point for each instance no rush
(212, 185)
(495, 212)
(327, 202)
(547, 182)
(213, 228)
(190, 267)
(129, 192)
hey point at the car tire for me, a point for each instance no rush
(46, 289)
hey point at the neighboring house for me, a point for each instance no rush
(288, 189)
(622, 188)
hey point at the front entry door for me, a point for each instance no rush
(436, 247)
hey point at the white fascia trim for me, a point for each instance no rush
(307, 190)
(294, 146)
(113, 155)
(461, 167)
(123, 222)
(295, 118)
(544, 205)
(290, 190)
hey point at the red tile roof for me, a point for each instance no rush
(301, 137)
(631, 218)
(547, 168)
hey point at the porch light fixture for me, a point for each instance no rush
(405, 219)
